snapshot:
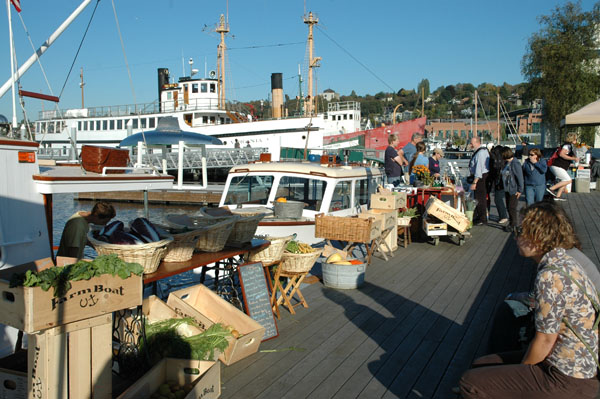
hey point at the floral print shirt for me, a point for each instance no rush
(558, 297)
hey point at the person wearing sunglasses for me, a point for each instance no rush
(561, 359)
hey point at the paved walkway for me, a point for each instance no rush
(411, 331)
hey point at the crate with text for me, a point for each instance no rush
(394, 200)
(32, 309)
(447, 214)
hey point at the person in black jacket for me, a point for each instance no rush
(496, 165)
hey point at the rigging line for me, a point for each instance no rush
(79, 48)
(266, 45)
(354, 58)
(38, 59)
(487, 121)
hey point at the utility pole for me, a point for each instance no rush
(475, 133)
(81, 84)
(498, 118)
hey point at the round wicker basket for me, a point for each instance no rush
(273, 252)
(148, 255)
(299, 263)
(183, 245)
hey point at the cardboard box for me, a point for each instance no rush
(32, 309)
(204, 376)
(447, 214)
(582, 185)
(13, 384)
(384, 218)
(388, 201)
(208, 308)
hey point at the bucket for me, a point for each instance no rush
(343, 276)
(288, 210)
(469, 215)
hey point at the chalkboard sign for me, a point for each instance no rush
(256, 297)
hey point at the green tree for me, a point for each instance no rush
(560, 63)
(423, 84)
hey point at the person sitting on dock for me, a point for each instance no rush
(74, 236)
(561, 360)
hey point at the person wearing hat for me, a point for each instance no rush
(434, 162)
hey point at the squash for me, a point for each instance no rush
(334, 258)
(343, 262)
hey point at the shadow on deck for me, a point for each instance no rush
(410, 332)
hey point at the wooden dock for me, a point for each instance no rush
(210, 195)
(411, 331)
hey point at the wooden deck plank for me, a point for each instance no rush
(411, 331)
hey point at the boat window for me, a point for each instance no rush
(345, 116)
(85, 125)
(350, 116)
(135, 123)
(195, 88)
(212, 120)
(212, 88)
(341, 196)
(119, 124)
(309, 191)
(169, 95)
(249, 190)
(362, 193)
(79, 125)
(205, 119)
(204, 88)
(151, 122)
(112, 124)
(143, 123)
(97, 125)
(222, 120)
(105, 125)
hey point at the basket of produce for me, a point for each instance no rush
(140, 244)
(273, 252)
(214, 234)
(184, 242)
(299, 257)
(348, 228)
(245, 226)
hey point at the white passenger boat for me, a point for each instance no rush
(199, 105)
(330, 189)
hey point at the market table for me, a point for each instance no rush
(423, 194)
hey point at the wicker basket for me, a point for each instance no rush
(299, 263)
(349, 229)
(183, 245)
(148, 255)
(214, 233)
(273, 252)
(245, 227)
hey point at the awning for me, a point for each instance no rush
(588, 115)
(167, 133)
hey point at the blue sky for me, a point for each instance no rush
(400, 42)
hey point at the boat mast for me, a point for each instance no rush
(312, 62)
(44, 47)
(12, 70)
(81, 85)
(222, 29)
(300, 95)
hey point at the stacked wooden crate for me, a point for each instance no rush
(69, 337)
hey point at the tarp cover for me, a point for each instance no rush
(168, 132)
(588, 115)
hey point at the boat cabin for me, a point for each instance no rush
(330, 189)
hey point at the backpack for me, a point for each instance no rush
(553, 157)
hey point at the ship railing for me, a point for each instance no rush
(343, 106)
(215, 158)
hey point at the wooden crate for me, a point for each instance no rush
(71, 361)
(388, 201)
(386, 218)
(447, 214)
(207, 308)
(205, 377)
(13, 384)
(32, 309)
